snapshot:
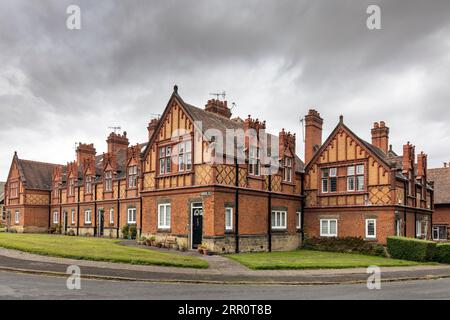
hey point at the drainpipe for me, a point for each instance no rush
(302, 206)
(95, 210)
(118, 208)
(236, 201)
(269, 212)
(405, 202)
(78, 212)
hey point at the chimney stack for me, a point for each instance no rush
(117, 142)
(445, 164)
(421, 164)
(84, 152)
(313, 134)
(218, 107)
(408, 157)
(380, 136)
(152, 127)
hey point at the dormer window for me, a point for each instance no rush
(329, 180)
(132, 177)
(287, 169)
(108, 181)
(254, 163)
(71, 187)
(56, 190)
(88, 184)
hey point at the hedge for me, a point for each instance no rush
(411, 249)
(344, 244)
(442, 253)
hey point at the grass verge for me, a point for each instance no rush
(95, 249)
(309, 259)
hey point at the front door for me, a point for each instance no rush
(197, 224)
(65, 222)
(101, 223)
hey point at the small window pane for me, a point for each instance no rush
(332, 227)
(351, 171)
(360, 169)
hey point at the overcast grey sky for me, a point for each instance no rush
(275, 59)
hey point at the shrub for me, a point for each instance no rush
(345, 244)
(125, 231)
(133, 232)
(442, 253)
(410, 249)
(71, 233)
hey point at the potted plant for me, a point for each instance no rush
(152, 241)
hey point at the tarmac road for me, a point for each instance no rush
(24, 286)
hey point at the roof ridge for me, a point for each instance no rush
(41, 162)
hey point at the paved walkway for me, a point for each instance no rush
(221, 270)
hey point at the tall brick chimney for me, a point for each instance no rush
(408, 157)
(421, 165)
(117, 142)
(218, 107)
(152, 127)
(380, 136)
(84, 152)
(313, 134)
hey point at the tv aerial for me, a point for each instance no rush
(218, 95)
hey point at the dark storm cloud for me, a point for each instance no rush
(275, 58)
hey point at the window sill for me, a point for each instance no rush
(172, 174)
(328, 236)
(341, 193)
(164, 230)
(371, 239)
(280, 230)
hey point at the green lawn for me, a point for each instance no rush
(95, 249)
(309, 259)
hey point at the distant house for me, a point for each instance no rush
(441, 216)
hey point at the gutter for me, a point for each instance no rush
(236, 202)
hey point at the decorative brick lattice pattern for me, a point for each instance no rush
(379, 195)
(226, 175)
(203, 174)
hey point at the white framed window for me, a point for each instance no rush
(329, 180)
(111, 216)
(132, 177)
(279, 219)
(132, 215)
(254, 163)
(287, 169)
(88, 216)
(108, 181)
(71, 187)
(328, 228)
(88, 184)
(164, 216)
(439, 232)
(165, 160)
(72, 213)
(17, 216)
(298, 220)
(228, 218)
(185, 156)
(418, 228)
(371, 228)
(55, 217)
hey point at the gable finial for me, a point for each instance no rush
(175, 88)
(341, 119)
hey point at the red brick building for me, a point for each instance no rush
(441, 217)
(187, 184)
(361, 189)
(204, 177)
